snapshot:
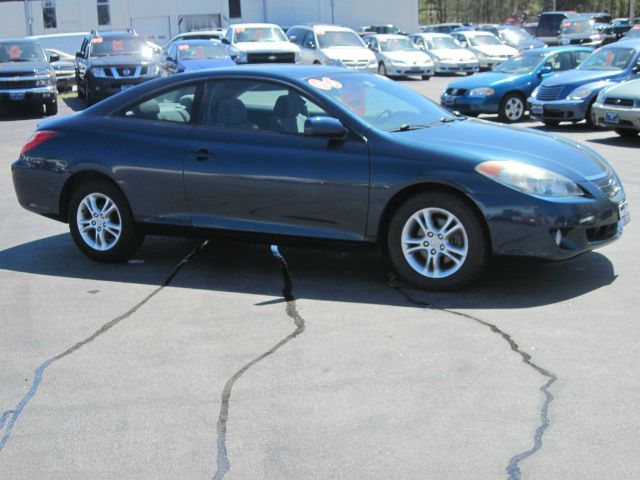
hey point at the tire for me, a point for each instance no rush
(512, 108)
(588, 117)
(382, 70)
(88, 98)
(469, 73)
(623, 132)
(81, 92)
(466, 234)
(551, 123)
(51, 108)
(426, 77)
(84, 209)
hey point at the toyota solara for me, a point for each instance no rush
(292, 153)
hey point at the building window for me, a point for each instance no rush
(234, 9)
(104, 15)
(49, 14)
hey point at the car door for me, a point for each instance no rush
(244, 172)
(309, 48)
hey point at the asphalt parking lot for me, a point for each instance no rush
(238, 360)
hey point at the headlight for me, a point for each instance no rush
(529, 179)
(336, 62)
(241, 57)
(44, 82)
(153, 69)
(398, 62)
(534, 94)
(373, 62)
(98, 72)
(480, 55)
(481, 92)
(296, 56)
(601, 95)
(437, 58)
(565, 41)
(579, 93)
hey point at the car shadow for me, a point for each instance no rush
(325, 275)
(74, 103)
(617, 141)
(21, 111)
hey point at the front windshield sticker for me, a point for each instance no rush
(15, 52)
(117, 45)
(325, 84)
(97, 40)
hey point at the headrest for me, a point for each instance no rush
(149, 109)
(187, 101)
(231, 111)
(290, 105)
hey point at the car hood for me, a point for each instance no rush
(496, 50)
(525, 44)
(410, 56)
(454, 54)
(576, 78)
(209, 63)
(479, 141)
(349, 53)
(267, 47)
(9, 67)
(489, 79)
(117, 60)
(629, 89)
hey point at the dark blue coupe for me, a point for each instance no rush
(317, 153)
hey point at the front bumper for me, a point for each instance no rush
(471, 105)
(443, 66)
(558, 110)
(65, 78)
(105, 87)
(529, 226)
(490, 62)
(38, 95)
(393, 69)
(618, 117)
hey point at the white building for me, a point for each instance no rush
(159, 20)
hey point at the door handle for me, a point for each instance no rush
(202, 155)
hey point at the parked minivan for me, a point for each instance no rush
(333, 45)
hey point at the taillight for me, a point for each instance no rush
(36, 139)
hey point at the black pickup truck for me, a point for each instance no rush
(26, 75)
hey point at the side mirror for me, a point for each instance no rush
(324, 127)
(168, 58)
(225, 40)
(54, 58)
(293, 39)
(78, 54)
(636, 69)
(545, 70)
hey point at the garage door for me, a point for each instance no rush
(155, 29)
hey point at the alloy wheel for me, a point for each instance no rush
(99, 221)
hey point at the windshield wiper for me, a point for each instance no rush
(19, 60)
(448, 120)
(405, 127)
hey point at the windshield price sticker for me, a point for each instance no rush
(97, 40)
(325, 84)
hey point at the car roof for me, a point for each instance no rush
(431, 34)
(386, 36)
(561, 48)
(211, 41)
(254, 25)
(632, 43)
(200, 32)
(475, 33)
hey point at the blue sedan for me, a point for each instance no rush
(188, 55)
(505, 90)
(570, 95)
(307, 154)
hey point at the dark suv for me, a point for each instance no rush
(26, 75)
(109, 62)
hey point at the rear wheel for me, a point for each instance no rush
(101, 222)
(623, 132)
(437, 242)
(512, 108)
(426, 77)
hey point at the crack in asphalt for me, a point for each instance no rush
(223, 463)
(513, 468)
(10, 417)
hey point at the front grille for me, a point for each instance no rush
(456, 91)
(549, 93)
(126, 71)
(25, 73)
(20, 85)
(608, 185)
(357, 64)
(578, 41)
(620, 102)
(271, 57)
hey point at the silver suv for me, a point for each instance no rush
(333, 45)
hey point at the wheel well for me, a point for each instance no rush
(516, 92)
(402, 196)
(74, 182)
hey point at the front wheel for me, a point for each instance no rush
(382, 70)
(551, 123)
(437, 242)
(51, 108)
(426, 77)
(623, 132)
(101, 222)
(512, 108)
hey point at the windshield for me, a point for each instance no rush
(104, 47)
(201, 52)
(259, 34)
(480, 40)
(609, 59)
(578, 26)
(515, 35)
(338, 39)
(396, 45)
(634, 32)
(440, 43)
(380, 102)
(21, 52)
(523, 63)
